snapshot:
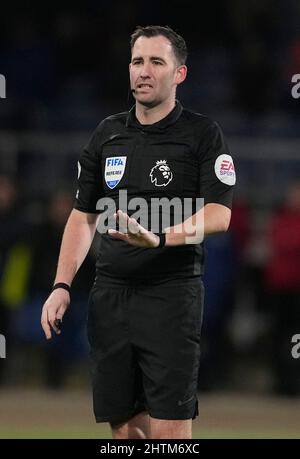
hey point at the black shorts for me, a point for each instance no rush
(145, 348)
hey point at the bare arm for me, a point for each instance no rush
(77, 239)
(212, 218)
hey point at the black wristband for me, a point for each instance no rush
(162, 239)
(61, 285)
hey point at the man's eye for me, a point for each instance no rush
(157, 62)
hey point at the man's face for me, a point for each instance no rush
(154, 72)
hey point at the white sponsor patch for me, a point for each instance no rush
(114, 170)
(224, 169)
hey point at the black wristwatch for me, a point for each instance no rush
(61, 285)
(162, 239)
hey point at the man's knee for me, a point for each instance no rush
(119, 430)
(170, 429)
(125, 431)
(135, 428)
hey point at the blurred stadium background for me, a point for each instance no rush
(66, 68)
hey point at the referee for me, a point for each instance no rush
(146, 304)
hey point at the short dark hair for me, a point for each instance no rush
(177, 42)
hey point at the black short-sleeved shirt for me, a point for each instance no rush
(184, 155)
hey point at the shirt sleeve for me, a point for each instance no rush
(89, 180)
(216, 168)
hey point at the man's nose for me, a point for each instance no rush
(145, 71)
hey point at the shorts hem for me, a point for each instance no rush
(174, 416)
(119, 417)
(154, 414)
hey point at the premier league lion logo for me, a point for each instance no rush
(161, 174)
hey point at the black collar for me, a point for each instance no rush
(171, 118)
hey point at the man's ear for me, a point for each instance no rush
(181, 73)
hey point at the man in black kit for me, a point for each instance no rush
(145, 308)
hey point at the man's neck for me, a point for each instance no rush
(152, 115)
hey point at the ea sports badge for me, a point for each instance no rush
(114, 170)
(224, 169)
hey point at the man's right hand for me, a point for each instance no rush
(54, 310)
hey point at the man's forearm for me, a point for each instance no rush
(211, 219)
(77, 239)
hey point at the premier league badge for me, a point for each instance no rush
(114, 170)
(161, 174)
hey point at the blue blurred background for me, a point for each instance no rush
(66, 68)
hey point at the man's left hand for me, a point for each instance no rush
(132, 232)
